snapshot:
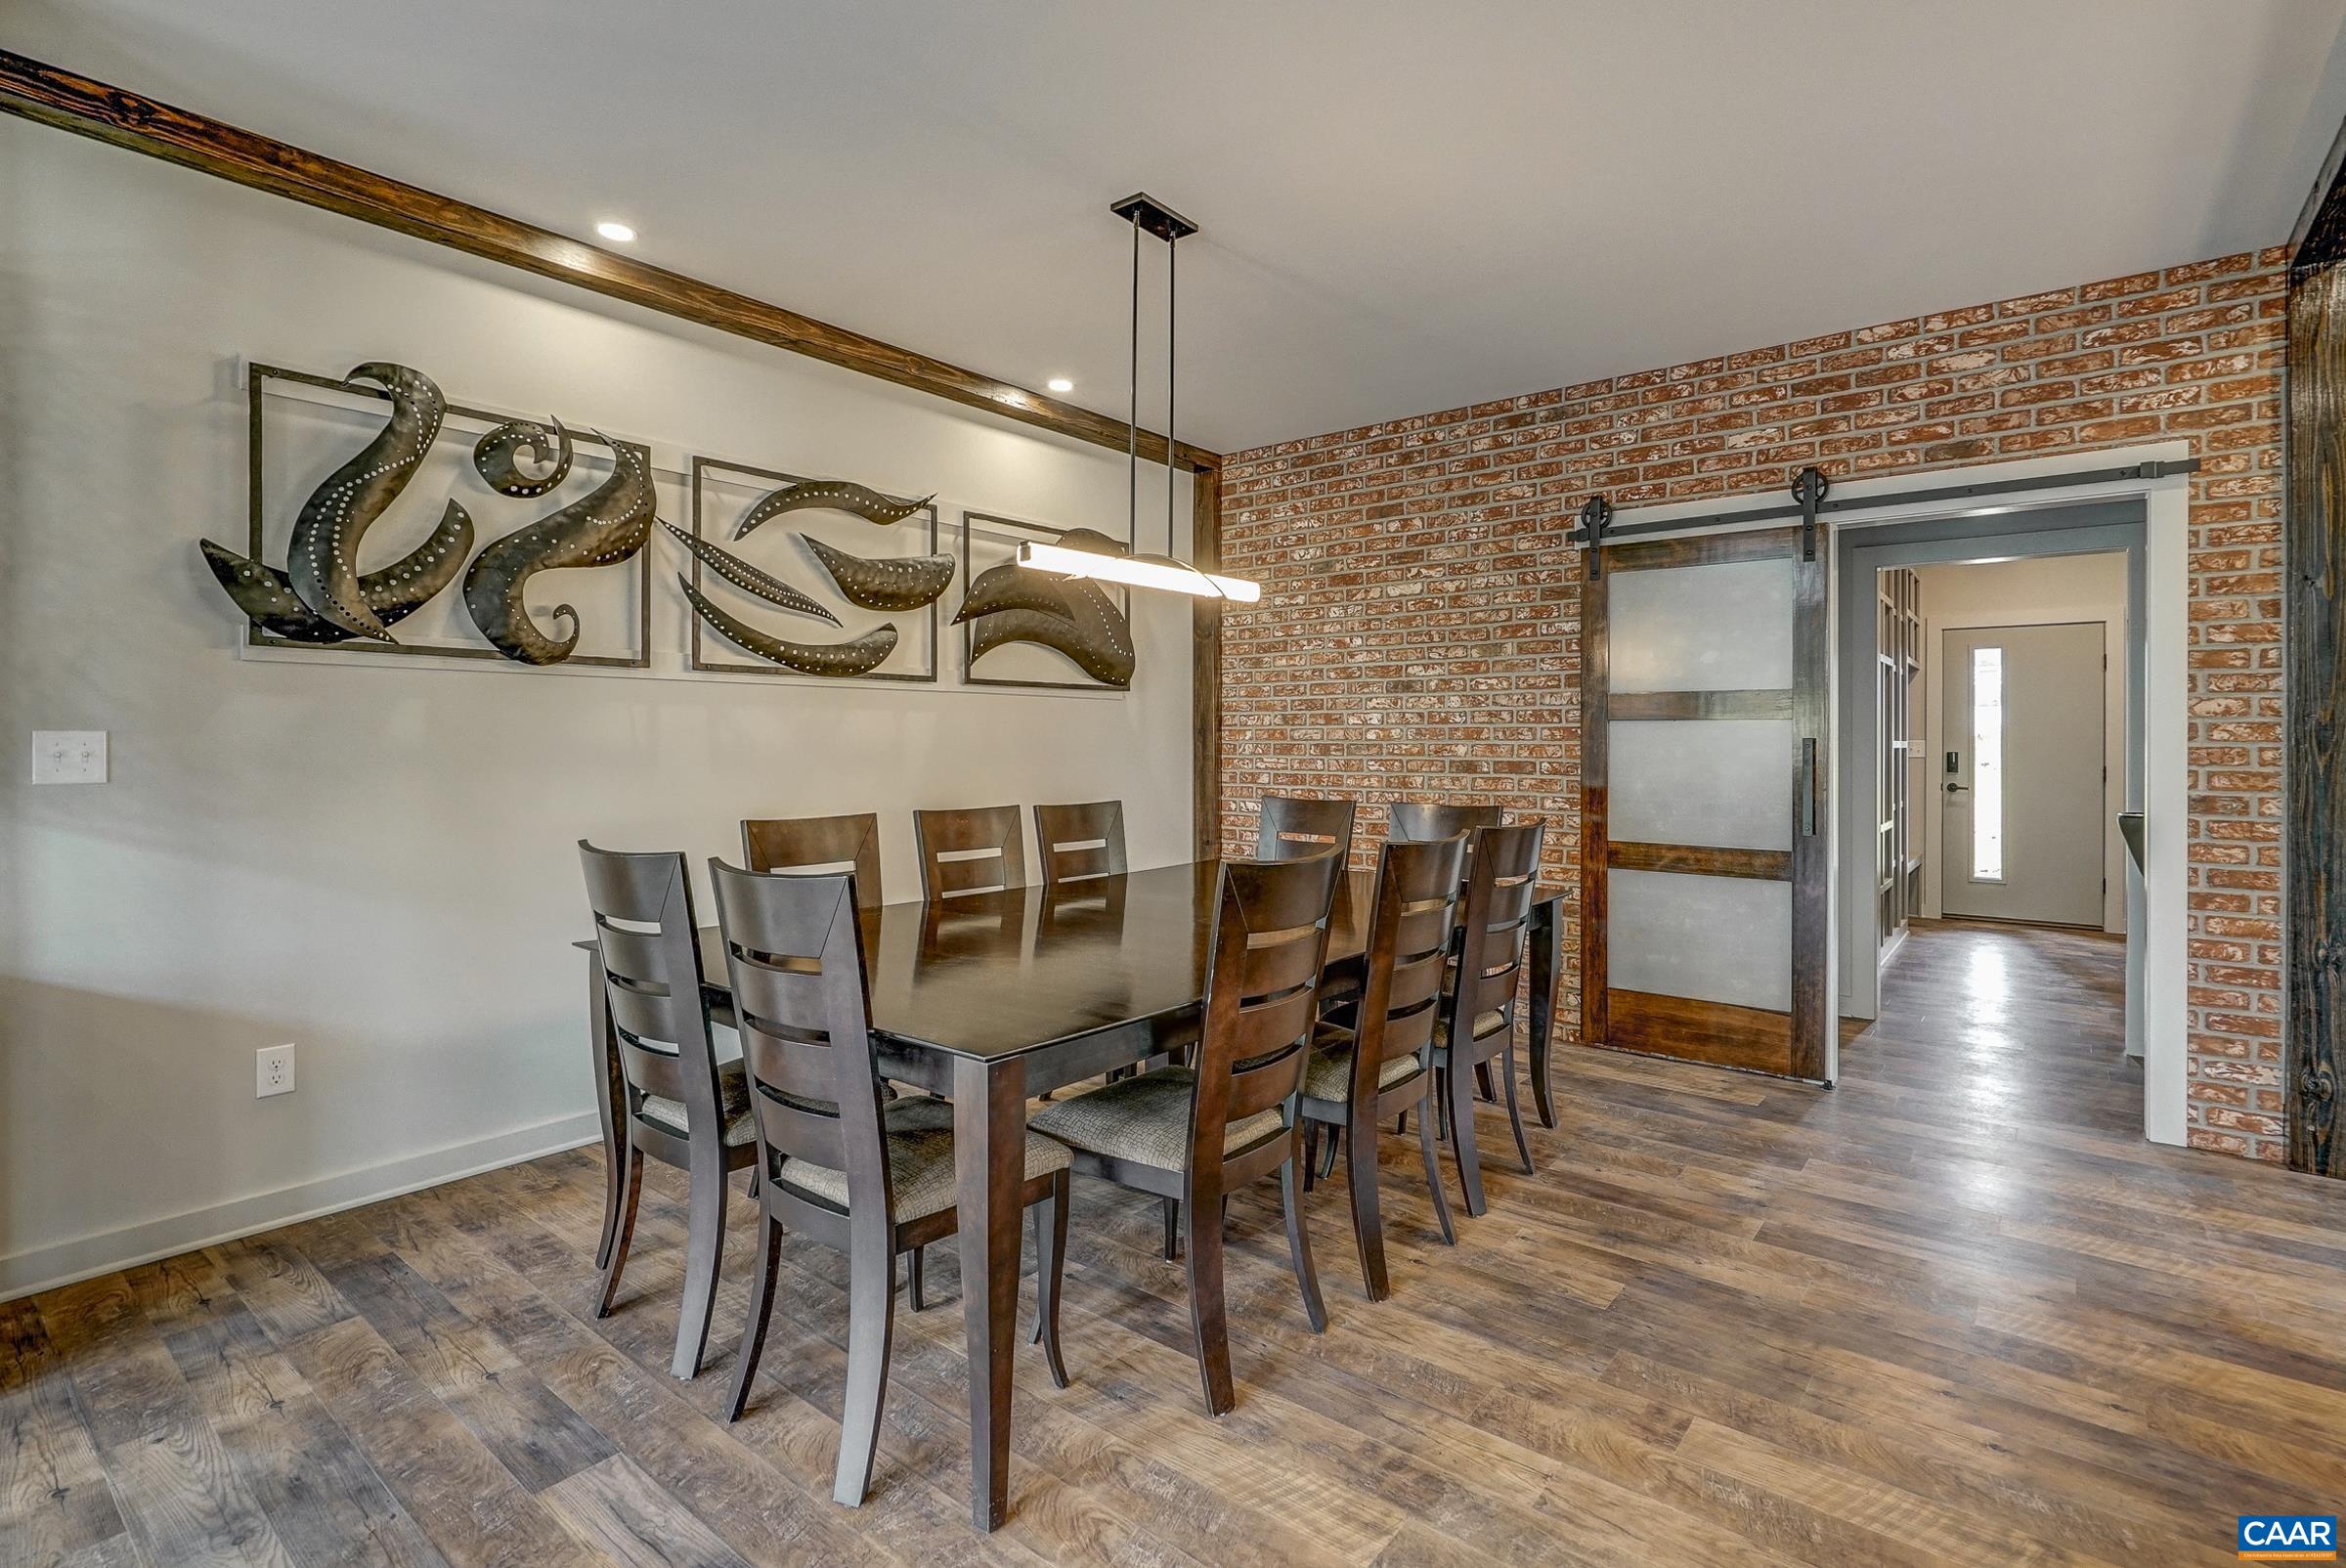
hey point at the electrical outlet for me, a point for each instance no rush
(272, 1071)
(68, 756)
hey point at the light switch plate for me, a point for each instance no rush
(68, 756)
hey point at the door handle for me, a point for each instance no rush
(1963, 788)
(1808, 786)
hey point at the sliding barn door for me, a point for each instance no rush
(1703, 824)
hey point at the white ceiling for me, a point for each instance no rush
(1408, 204)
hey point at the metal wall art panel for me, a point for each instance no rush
(1031, 628)
(808, 577)
(400, 475)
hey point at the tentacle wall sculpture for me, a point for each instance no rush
(885, 583)
(492, 457)
(851, 657)
(837, 494)
(266, 595)
(742, 575)
(1011, 604)
(322, 563)
(606, 526)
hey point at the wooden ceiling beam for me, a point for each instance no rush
(52, 96)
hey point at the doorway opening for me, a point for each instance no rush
(2004, 740)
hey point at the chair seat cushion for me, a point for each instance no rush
(1329, 1076)
(1144, 1119)
(1485, 1023)
(919, 1160)
(733, 1099)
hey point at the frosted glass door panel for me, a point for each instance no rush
(1725, 783)
(1714, 938)
(1723, 628)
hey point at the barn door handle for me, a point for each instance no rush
(1808, 786)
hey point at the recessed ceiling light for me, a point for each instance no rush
(1060, 383)
(617, 232)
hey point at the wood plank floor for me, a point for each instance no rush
(1951, 1312)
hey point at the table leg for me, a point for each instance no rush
(609, 1095)
(990, 1161)
(1547, 951)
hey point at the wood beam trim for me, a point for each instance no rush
(1205, 671)
(1657, 705)
(52, 96)
(1697, 859)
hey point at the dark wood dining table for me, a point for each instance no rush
(993, 997)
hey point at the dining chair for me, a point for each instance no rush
(866, 1178)
(681, 1106)
(1076, 843)
(1292, 826)
(1478, 1018)
(1383, 1064)
(1194, 1135)
(818, 844)
(1422, 821)
(973, 850)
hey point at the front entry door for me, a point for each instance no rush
(1704, 831)
(2022, 772)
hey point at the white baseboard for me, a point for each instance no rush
(43, 1268)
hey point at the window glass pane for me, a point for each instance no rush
(1987, 764)
(1722, 626)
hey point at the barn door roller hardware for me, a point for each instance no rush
(1977, 490)
(1596, 513)
(1809, 488)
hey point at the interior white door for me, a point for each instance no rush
(2022, 772)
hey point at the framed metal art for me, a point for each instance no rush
(846, 589)
(580, 499)
(1027, 628)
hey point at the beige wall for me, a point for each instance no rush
(375, 862)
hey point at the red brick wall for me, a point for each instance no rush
(1419, 635)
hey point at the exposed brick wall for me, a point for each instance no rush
(1419, 635)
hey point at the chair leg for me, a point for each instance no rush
(1523, 1146)
(1049, 1258)
(1327, 1164)
(762, 1274)
(1367, 1220)
(1433, 1175)
(615, 1194)
(1172, 1229)
(1461, 1139)
(704, 1255)
(915, 1283)
(871, 1323)
(631, 1190)
(1483, 1089)
(1311, 1153)
(1299, 1240)
(1207, 1326)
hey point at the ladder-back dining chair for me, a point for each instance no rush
(1293, 827)
(1196, 1134)
(1478, 1022)
(818, 844)
(1076, 843)
(1383, 1064)
(678, 1104)
(973, 850)
(835, 1163)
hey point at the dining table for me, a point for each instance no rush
(991, 998)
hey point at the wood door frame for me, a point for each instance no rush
(1719, 1033)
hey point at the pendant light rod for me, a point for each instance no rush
(1136, 569)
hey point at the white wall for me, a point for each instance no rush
(2041, 591)
(374, 860)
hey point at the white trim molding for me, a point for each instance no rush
(85, 1257)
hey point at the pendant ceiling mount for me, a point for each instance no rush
(1147, 215)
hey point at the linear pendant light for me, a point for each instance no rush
(1145, 213)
